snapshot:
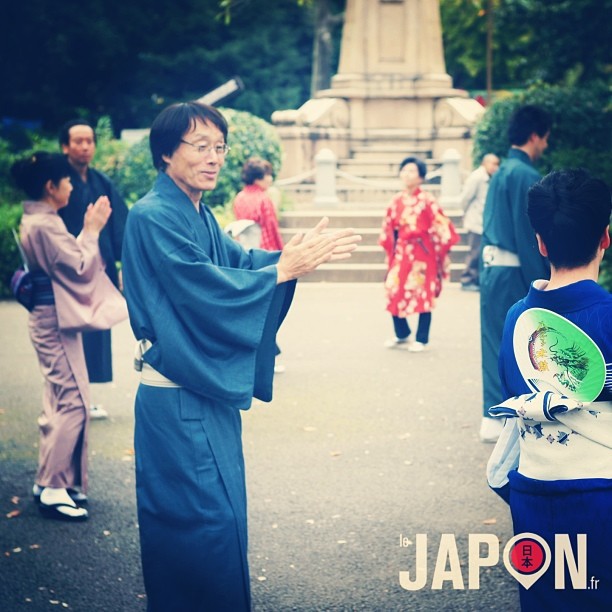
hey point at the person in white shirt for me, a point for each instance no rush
(473, 199)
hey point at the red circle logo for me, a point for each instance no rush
(527, 556)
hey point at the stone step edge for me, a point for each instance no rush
(375, 266)
(347, 212)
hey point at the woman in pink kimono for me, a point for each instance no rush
(416, 236)
(71, 293)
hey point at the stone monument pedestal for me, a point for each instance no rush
(391, 94)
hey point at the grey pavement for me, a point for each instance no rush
(361, 449)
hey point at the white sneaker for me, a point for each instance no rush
(417, 347)
(97, 412)
(490, 429)
(396, 343)
(279, 368)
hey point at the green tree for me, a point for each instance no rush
(533, 41)
(128, 59)
(569, 41)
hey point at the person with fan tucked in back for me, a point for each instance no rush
(563, 482)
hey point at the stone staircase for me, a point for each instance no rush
(365, 184)
(367, 263)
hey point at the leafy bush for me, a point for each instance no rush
(13, 146)
(248, 136)
(581, 132)
(10, 217)
(605, 271)
(110, 152)
(580, 136)
(136, 174)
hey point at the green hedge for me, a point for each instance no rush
(131, 168)
(581, 132)
(248, 136)
(10, 215)
(580, 136)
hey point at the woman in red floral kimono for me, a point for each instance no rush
(416, 236)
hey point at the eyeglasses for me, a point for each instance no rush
(220, 149)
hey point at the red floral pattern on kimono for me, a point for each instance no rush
(416, 236)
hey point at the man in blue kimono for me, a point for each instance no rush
(563, 484)
(206, 314)
(78, 142)
(510, 256)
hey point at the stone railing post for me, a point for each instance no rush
(450, 181)
(325, 178)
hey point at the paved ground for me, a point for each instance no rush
(362, 449)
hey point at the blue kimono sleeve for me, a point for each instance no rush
(212, 325)
(533, 265)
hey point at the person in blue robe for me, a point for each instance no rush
(510, 256)
(205, 313)
(572, 492)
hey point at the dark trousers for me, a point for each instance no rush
(469, 275)
(98, 355)
(500, 288)
(402, 329)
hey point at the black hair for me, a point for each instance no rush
(255, 168)
(527, 120)
(174, 122)
(64, 133)
(420, 164)
(570, 210)
(33, 172)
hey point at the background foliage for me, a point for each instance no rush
(9, 255)
(126, 60)
(248, 136)
(560, 41)
(129, 59)
(580, 136)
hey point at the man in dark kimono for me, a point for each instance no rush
(78, 142)
(205, 313)
(510, 256)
